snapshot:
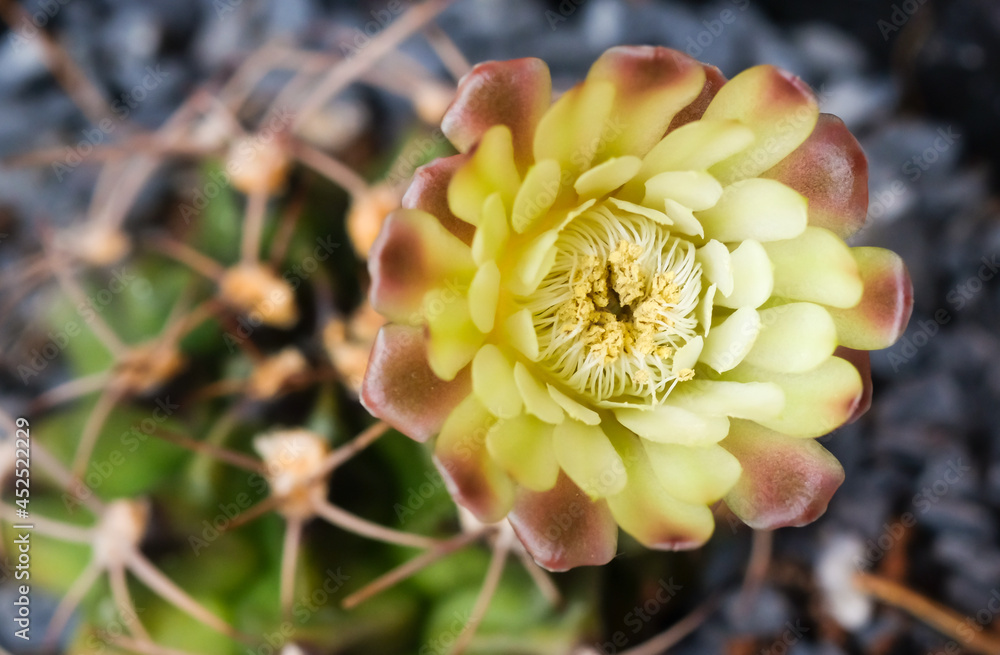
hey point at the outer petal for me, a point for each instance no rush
(400, 388)
(562, 528)
(652, 84)
(779, 107)
(413, 254)
(831, 170)
(514, 93)
(428, 191)
(886, 302)
(474, 480)
(645, 510)
(863, 362)
(785, 481)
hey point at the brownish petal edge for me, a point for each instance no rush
(786, 481)
(563, 528)
(429, 192)
(514, 93)
(831, 170)
(400, 388)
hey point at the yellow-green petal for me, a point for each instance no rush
(780, 109)
(519, 331)
(588, 458)
(748, 400)
(474, 479)
(537, 194)
(731, 340)
(454, 338)
(700, 476)
(696, 190)
(523, 447)
(670, 424)
(816, 266)
(682, 218)
(794, 338)
(537, 400)
(765, 210)
(607, 176)
(692, 147)
(753, 278)
(490, 169)
(687, 355)
(493, 382)
(535, 261)
(484, 291)
(572, 128)
(492, 234)
(816, 402)
(576, 410)
(648, 512)
(716, 265)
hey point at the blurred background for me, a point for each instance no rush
(166, 166)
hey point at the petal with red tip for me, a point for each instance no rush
(413, 254)
(785, 481)
(562, 528)
(474, 480)
(428, 191)
(863, 362)
(780, 108)
(400, 388)
(886, 302)
(831, 170)
(648, 512)
(514, 93)
(652, 84)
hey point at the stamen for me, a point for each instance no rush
(616, 305)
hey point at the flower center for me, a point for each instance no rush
(616, 306)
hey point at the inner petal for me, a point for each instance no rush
(616, 307)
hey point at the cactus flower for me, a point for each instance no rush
(620, 308)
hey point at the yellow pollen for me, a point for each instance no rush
(615, 307)
(627, 278)
(606, 335)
